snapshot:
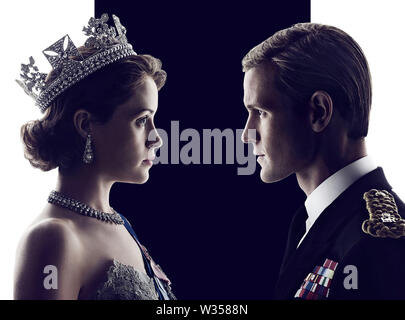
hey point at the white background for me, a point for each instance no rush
(28, 27)
(379, 29)
(31, 26)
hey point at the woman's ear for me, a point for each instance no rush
(321, 110)
(81, 121)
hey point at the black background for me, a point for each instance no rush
(216, 235)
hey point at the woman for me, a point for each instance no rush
(99, 102)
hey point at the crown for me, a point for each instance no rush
(111, 44)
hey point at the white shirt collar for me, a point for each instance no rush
(333, 186)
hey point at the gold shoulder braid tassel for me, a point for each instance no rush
(384, 220)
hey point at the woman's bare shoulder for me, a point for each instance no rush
(48, 244)
(49, 230)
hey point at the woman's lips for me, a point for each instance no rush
(147, 162)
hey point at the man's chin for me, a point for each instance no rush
(270, 176)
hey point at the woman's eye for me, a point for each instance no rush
(142, 121)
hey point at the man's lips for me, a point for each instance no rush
(259, 156)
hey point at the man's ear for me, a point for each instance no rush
(321, 110)
(81, 121)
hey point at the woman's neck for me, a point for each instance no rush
(87, 186)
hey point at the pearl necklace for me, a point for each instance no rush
(63, 201)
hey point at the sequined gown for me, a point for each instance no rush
(126, 283)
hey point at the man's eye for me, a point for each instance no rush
(260, 113)
(142, 121)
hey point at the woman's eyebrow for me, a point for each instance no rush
(136, 113)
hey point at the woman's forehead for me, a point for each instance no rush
(144, 97)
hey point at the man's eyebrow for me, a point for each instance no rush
(253, 106)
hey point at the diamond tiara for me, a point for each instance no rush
(111, 45)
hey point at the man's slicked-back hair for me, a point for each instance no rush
(310, 57)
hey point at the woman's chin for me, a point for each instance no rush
(136, 177)
(141, 179)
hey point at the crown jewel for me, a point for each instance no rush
(110, 42)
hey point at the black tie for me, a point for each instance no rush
(297, 230)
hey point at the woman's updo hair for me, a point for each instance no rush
(53, 141)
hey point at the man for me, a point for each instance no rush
(308, 93)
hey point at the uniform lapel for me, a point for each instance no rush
(297, 230)
(317, 244)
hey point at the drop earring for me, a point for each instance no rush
(88, 155)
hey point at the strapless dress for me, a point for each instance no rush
(124, 282)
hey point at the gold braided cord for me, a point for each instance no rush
(384, 220)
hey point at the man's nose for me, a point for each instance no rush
(249, 134)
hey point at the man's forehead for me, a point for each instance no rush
(257, 84)
(261, 74)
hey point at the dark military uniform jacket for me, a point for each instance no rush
(344, 257)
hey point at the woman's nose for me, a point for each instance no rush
(154, 140)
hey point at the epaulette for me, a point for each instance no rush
(384, 220)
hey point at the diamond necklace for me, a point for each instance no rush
(63, 201)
